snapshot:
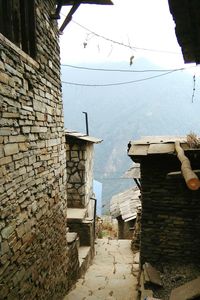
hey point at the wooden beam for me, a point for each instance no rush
(190, 177)
(69, 16)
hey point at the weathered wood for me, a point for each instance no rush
(178, 174)
(190, 177)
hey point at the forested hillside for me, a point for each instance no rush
(118, 114)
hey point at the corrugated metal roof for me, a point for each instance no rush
(156, 145)
(125, 204)
(82, 136)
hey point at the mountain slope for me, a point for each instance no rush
(118, 114)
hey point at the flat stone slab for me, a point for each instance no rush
(77, 214)
(83, 252)
(110, 277)
(187, 291)
(71, 237)
(152, 274)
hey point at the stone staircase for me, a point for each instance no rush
(80, 239)
(77, 221)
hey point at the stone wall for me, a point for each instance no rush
(33, 258)
(73, 265)
(170, 212)
(85, 232)
(79, 172)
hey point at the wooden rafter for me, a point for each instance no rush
(190, 177)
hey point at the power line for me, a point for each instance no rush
(118, 70)
(120, 83)
(122, 44)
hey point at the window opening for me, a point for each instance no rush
(17, 23)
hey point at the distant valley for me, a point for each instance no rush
(118, 114)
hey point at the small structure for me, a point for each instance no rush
(81, 199)
(170, 223)
(124, 207)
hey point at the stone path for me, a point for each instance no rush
(112, 275)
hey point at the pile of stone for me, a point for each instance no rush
(149, 278)
(173, 283)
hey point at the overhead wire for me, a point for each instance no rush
(117, 70)
(123, 44)
(120, 83)
(166, 72)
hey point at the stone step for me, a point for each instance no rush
(76, 214)
(73, 236)
(151, 274)
(85, 231)
(86, 255)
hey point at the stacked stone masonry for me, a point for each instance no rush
(73, 266)
(33, 257)
(170, 212)
(85, 232)
(79, 172)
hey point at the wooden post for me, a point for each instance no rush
(190, 177)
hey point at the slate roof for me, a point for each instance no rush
(156, 145)
(82, 136)
(125, 204)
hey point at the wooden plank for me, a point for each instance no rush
(2, 16)
(16, 22)
(24, 26)
(6, 22)
(32, 27)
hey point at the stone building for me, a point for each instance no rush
(124, 207)
(33, 202)
(170, 222)
(81, 199)
(34, 257)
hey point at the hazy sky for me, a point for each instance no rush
(139, 23)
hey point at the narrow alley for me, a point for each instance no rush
(112, 275)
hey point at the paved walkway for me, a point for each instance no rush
(112, 275)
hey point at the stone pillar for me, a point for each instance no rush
(80, 172)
